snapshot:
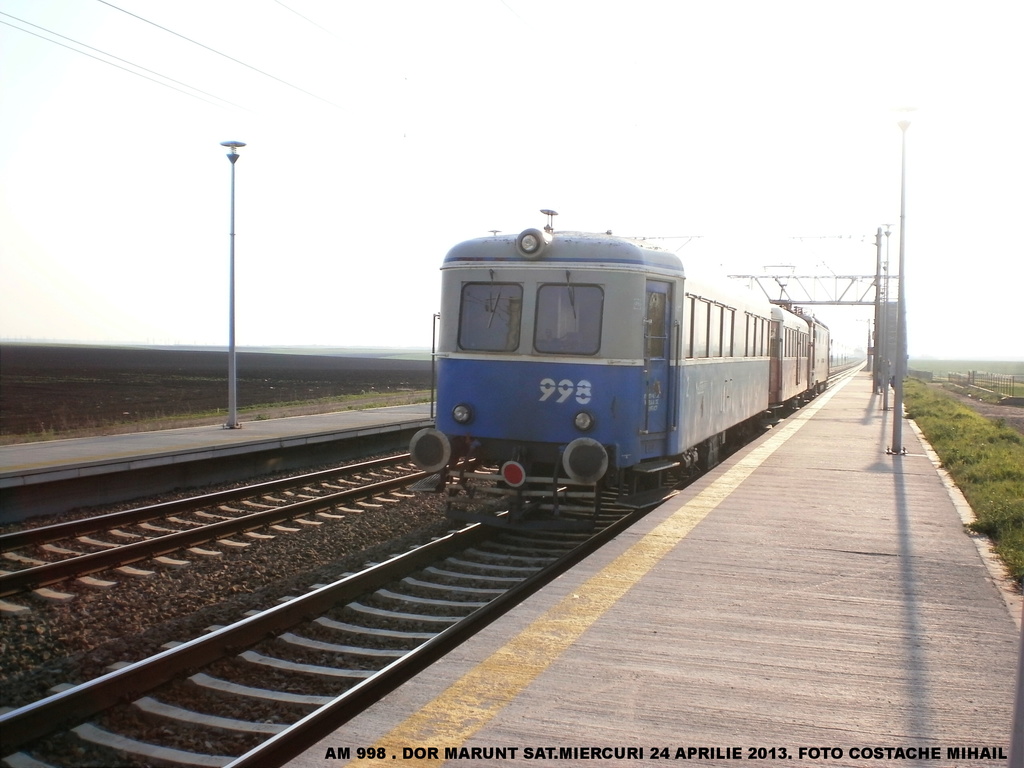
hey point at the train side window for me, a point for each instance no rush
(728, 318)
(690, 303)
(569, 319)
(490, 316)
(700, 328)
(657, 325)
(715, 346)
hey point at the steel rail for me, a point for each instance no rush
(297, 738)
(839, 372)
(42, 575)
(74, 705)
(70, 707)
(57, 531)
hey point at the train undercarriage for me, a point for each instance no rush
(539, 495)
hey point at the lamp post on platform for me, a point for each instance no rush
(897, 449)
(885, 324)
(232, 422)
(876, 360)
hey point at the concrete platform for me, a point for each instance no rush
(811, 593)
(156, 459)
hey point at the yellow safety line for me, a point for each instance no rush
(471, 702)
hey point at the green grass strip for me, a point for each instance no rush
(985, 458)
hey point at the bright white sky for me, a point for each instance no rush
(382, 133)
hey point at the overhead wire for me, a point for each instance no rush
(220, 53)
(305, 18)
(511, 10)
(139, 74)
(112, 56)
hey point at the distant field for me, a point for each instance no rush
(945, 367)
(989, 380)
(387, 353)
(51, 389)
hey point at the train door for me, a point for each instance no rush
(801, 359)
(775, 363)
(657, 362)
(812, 347)
(794, 352)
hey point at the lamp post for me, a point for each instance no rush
(897, 448)
(876, 364)
(885, 324)
(232, 422)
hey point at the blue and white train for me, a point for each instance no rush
(573, 363)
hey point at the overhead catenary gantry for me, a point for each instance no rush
(781, 287)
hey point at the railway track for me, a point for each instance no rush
(263, 689)
(120, 539)
(259, 691)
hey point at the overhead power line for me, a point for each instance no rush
(112, 56)
(219, 53)
(139, 74)
(305, 18)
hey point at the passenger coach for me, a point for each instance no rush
(799, 358)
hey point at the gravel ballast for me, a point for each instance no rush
(75, 640)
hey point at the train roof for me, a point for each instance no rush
(780, 313)
(564, 247)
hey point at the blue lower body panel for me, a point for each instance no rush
(535, 403)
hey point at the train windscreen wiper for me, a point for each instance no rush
(493, 308)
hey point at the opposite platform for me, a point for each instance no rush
(189, 454)
(811, 593)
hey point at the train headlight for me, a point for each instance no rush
(532, 242)
(583, 421)
(462, 413)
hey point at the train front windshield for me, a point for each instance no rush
(490, 317)
(567, 318)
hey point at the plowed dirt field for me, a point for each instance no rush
(61, 391)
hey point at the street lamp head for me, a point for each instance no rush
(903, 124)
(233, 154)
